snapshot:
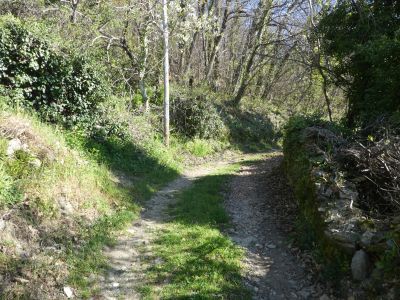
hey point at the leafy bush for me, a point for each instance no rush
(195, 116)
(62, 89)
(363, 40)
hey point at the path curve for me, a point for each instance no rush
(132, 254)
(271, 270)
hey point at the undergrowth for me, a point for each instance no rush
(203, 148)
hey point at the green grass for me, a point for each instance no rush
(149, 168)
(13, 173)
(203, 148)
(199, 148)
(198, 261)
(151, 165)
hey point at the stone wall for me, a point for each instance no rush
(329, 203)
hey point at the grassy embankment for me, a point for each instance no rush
(64, 196)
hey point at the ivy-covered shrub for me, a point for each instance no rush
(195, 116)
(63, 89)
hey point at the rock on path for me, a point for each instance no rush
(272, 272)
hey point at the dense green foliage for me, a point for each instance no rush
(62, 88)
(363, 38)
(195, 115)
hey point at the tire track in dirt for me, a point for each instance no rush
(272, 271)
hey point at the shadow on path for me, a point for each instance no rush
(132, 255)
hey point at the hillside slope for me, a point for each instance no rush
(59, 204)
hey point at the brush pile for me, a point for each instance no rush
(373, 163)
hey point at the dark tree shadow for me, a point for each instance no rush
(249, 131)
(126, 159)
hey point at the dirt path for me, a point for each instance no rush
(272, 272)
(132, 254)
(257, 196)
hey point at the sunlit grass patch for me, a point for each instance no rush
(202, 148)
(198, 262)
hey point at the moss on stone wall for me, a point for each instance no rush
(299, 163)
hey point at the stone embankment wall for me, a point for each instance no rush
(330, 218)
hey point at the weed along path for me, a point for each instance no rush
(210, 234)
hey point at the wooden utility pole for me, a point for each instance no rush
(166, 72)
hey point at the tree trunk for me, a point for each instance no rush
(217, 42)
(166, 72)
(144, 51)
(143, 92)
(258, 30)
(201, 11)
(189, 55)
(74, 6)
(243, 79)
(325, 90)
(318, 64)
(181, 45)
